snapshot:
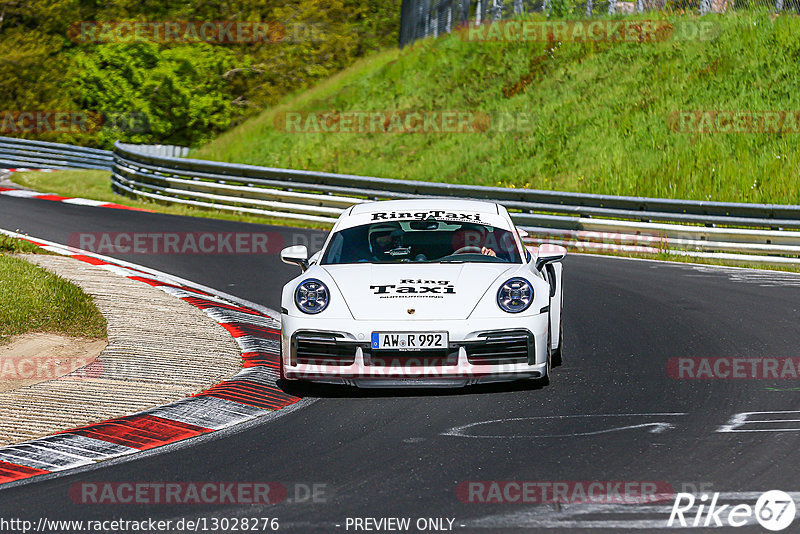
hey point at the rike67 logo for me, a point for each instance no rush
(774, 510)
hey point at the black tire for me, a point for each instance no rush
(545, 380)
(557, 351)
(284, 382)
(557, 360)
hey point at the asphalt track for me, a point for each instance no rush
(611, 413)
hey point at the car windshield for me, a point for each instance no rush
(422, 241)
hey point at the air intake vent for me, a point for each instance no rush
(323, 349)
(501, 348)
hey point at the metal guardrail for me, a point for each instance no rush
(761, 233)
(173, 151)
(747, 233)
(43, 155)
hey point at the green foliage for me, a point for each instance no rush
(178, 93)
(29, 63)
(560, 8)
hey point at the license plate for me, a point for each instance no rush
(409, 340)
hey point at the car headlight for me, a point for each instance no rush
(515, 295)
(311, 296)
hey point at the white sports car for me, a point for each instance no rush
(427, 292)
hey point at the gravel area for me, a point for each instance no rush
(160, 349)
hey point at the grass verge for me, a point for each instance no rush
(10, 245)
(35, 300)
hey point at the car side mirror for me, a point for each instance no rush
(549, 254)
(296, 255)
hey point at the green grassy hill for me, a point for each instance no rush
(601, 114)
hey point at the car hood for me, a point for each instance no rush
(432, 291)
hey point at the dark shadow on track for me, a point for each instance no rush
(314, 390)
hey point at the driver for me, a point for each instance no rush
(383, 238)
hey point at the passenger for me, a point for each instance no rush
(471, 238)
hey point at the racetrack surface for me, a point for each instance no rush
(612, 413)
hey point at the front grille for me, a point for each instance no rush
(501, 348)
(323, 349)
(406, 358)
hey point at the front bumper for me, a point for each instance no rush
(496, 350)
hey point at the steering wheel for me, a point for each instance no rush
(469, 249)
